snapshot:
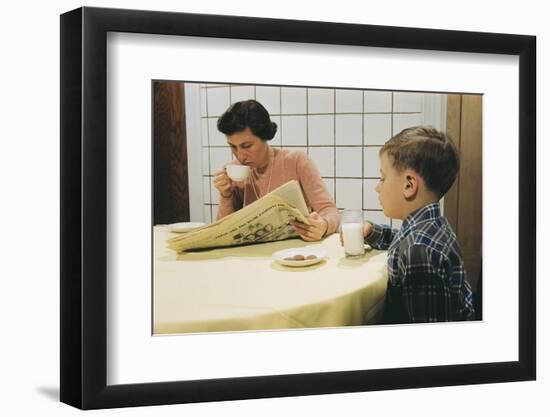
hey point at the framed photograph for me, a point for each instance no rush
(335, 132)
(175, 289)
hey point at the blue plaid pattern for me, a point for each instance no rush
(426, 277)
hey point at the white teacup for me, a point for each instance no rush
(237, 172)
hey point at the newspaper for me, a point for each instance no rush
(265, 220)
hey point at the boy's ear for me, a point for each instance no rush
(410, 184)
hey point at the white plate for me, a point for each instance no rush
(280, 256)
(184, 227)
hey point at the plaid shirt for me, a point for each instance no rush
(426, 277)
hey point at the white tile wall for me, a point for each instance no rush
(215, 195)
(329, 182)
(218, 158)
(293, 130)
(372, 162)
(204, 132)
(407, 102)
(216, 137)
(321, 130)
(324, 160)
(349, 162)
(270, 97)
(276, 141)
(348, 193)
(203, 103)
(349, 129)
(218, 100)
(376, 217)
(320, 100)
(377, 128)
(378, 102)
(207, 214)
(370, 200)
(293, 100)
(396, 223)
(402, 121)
(321, 122)
(349, 101)
(240, 93)
(205, 161)
(206, 181)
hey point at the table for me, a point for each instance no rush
(242, 288)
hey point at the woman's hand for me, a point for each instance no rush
(223, 183)
(314, 231)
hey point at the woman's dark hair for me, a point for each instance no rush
(248, 113)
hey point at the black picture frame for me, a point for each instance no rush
(83, 311)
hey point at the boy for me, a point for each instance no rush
(426, 277)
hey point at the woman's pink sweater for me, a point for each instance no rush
(287, 165)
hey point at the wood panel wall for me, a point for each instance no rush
(170, 175)
(463, 202)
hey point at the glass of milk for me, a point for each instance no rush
(352, 233)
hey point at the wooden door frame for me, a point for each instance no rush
(170, 171)
(463, 204)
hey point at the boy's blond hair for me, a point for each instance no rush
(428, 152)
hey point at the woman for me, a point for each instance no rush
(248, 129)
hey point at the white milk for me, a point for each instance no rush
(352, 233)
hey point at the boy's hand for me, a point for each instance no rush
(313, 231)
(367, 228)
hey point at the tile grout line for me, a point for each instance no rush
(334, 145)
(363, 142)
(209, 155)
(391, 132)
(307, 122)
(281, 112)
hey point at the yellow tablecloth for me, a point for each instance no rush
(242, 288)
